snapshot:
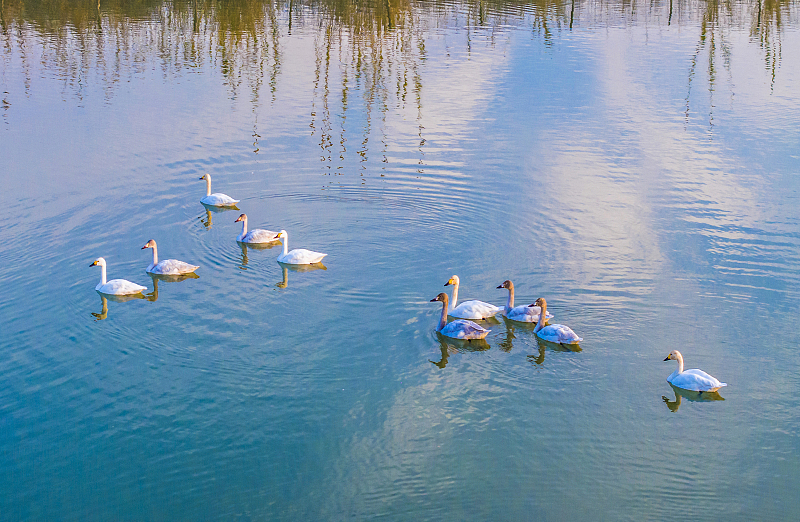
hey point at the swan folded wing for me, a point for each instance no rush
(258, 235)
(461, 329)
(559, 333)
(475, 310)
(301, 256)
(696, 380)
(527, 314)
(172, 267)
(219, 199)
(120, 287)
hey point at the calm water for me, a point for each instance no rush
(636, 164)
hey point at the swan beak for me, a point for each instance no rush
(144, 247)
(435, 298)
(667, 359)
(202, 177)
(501, 286)
(94, 264)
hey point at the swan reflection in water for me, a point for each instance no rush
(555, 347)
(512, 328)
(449, 346)
(254, 246)
(209, 210)
(297, 268)
(105, 298)
(169, 278)
(690, 395)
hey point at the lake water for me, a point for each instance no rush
(637, 164)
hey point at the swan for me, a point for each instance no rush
(168, 266)
(217, 199)
(460, 328)
(694, 380)
(555, 333)
(115, 286)
(523, 314)
(256, 235)
(469, 309)
(298, 256)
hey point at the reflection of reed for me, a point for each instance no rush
(372, 50)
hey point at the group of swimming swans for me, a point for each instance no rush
(464, 328)
(298, 256)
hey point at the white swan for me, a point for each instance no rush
(555, 333)
(217, 199)
(115, 286)
(460, 328)
(298, 256)
(257, 235)
(695, 380)
(469, 309)
(168, 266)
(523, 314)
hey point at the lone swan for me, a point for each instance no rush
(460, 328)
(694, 380)
(167, 266)
(298, 256)
(217, 199)
(115, 286)
(523, 314)
(255, 236)
(555, 333)
(469, 309)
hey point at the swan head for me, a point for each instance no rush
(281, 235)
(452, 281)
(99, 262)
(206, 176)
(507, 284)
(540, 303)
(441, 297)
(243, 217)
(150, 244)
(674, 355)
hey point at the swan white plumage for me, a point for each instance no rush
(469, 309)
(694, 380)
(298, 256)
(217, 199)
(257, 235)
(523, 314)
(115, 286)
(460, 328)
(555, 333)
(167, 266)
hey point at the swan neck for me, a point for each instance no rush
(208, 186)
(244, 227)
(443, 320)
(542, 316)
(455, 297)
(285, 245)
(510, 304)
(680, 363)
(102, 274)
(155, 255)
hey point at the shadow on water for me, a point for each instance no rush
(216, 210)
(543, 345)
(450, 346)
(689, 395)
(254, 246)
(297, 268)
(105, 298)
